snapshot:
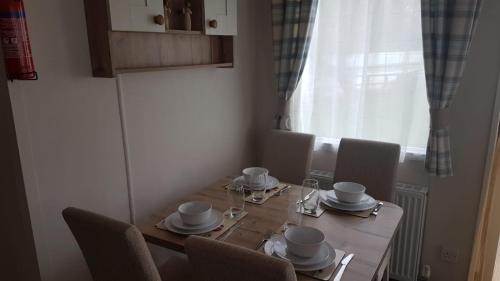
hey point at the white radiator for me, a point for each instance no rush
(406, 250)
(405, 260)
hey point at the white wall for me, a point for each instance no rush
(185, 129)
(453, 201)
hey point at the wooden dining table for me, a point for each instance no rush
(369, 239)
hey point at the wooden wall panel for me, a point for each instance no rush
(200, 48)
(135, 49)
(176, 50)
(97, 31)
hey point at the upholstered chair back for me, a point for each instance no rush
(371, 163)
(218, 261)
(288, 155)
(114, 250)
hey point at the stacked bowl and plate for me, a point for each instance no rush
(304, 247)
(195, 217)
(348, 196)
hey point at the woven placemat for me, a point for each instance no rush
(269, 193)
(326, 273)
(319, 211)
(226, 224)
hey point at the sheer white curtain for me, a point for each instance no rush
(364, 77)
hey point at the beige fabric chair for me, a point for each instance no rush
(116, 251)
(374, 165)
(218, 261)
(288, 155)
(370, 163)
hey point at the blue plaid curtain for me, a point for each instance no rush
(447, 26)
(293, 22)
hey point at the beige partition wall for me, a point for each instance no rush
(485, 254)
(18, 260)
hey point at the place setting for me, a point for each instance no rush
(257, 182)
(350, 198)
(309, 204)
(307, 250)
(199, 218)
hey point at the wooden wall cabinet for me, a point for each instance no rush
(136, 15)
(125, 35)
(220, 17)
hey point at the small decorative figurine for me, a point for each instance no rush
(187, 15)
(168, 13)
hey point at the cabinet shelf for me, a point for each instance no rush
(176, 67)
(114, 52)
(187, 32)
(168, 31)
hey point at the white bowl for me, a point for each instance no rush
(255, 176)
(195, 212)
(350, 192)
(304, 241)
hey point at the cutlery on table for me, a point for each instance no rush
(230, 231)
(377, 208)
(306, 197)
(345, 261)
(267, 236)
(309, 212)
(287, 187)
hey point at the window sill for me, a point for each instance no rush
(411, 154)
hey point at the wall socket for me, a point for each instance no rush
(425, 273)
(450, 254)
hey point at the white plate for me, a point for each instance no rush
(280, 249)
(171, 227)
(176, 221)
(362, 206)
(269, 250)
(333, 197)
(272, 182)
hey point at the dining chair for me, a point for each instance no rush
(218, 261)
(115, 250)
(288, 155)
(371, 163)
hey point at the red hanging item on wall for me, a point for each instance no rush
(15, 41)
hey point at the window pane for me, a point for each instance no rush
(365, 74)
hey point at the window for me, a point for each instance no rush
(364, 77)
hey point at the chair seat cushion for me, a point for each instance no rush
(176, 269)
